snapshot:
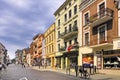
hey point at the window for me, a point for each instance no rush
(49, 38)
(65, 8)
(102, 10)
(70, 28)
(58, 14)
(75, 23)
(59, 22)
(70, 4)
(58, 47)
(75, 40)
(65, 29)
(86, 38)
(65, 43)
(102, 34)
(52, 48)
(65, 17)
(70, 42)
(70, 13)
(58, 34)
(75, 9)
(86, 18)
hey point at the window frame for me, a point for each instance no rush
(104, 25)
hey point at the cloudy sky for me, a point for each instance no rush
(20, 20)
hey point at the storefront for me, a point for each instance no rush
(88, 60)
(48, 61)
(111, 59)
(72, 58)
(58, 62)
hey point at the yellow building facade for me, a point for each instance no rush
(50, 39)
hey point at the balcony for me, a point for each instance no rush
(62, 48)
(101, 17)
(71, 47)
(69, 33)
(95, 42)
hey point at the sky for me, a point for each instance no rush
(21, 20)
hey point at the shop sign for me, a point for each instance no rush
(118, 44)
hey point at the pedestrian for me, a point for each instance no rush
(0, 66)
(23, 65)
(76, 69)
(4, 66)
(45, 65)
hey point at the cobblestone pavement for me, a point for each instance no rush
(15, 72)
(100, 76)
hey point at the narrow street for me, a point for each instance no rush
(15, 72)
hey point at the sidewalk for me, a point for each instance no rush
(100, 76)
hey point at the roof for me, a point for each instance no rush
(61, 7)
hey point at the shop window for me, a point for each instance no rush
(87, 60)
(73, 62)
(111, 62)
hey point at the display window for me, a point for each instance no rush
(88, 60)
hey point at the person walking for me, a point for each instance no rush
(1, 66)
(4, 66)
(23, 65)
(76, 69)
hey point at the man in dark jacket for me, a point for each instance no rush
(0, 66)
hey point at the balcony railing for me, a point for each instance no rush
(101, 17)
(74, 46)
(96, 41)
(69, 33)
(62, 48)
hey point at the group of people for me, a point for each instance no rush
(2, 66)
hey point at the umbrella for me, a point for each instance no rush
(107, 62)
(115, 63)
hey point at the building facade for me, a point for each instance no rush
(31, 53)
(3, 54)
(67, 24)
(35, 50)
(100, 34)
(18, 56)
(39, 45)
(50, 38)
(26, 56)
